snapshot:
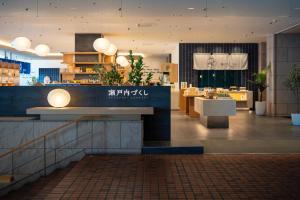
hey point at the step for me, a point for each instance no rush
(166, 147)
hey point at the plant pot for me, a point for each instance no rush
(295, 119)
(260, 108)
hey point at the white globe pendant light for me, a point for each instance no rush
(21, 43)
(101, 45)
(121, 60)
(42, 50)
(59, 98)
(112, 50)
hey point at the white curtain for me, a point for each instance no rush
(220, 61)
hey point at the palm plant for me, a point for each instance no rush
(260, 80)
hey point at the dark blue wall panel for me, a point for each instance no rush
(53, 73)
(15, 100)
(221, 78)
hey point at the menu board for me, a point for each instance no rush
(220, 61)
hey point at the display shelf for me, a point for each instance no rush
(75, 73)
(79, 61)
(81, 53)
(9, 74)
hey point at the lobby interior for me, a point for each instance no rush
(137, 99)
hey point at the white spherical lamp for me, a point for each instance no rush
(121, 60)
(59, 98)
(112, 50)
(101, 45)
(21, 43)
(42, 50)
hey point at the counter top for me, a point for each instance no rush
(91, 111)
(215, 107)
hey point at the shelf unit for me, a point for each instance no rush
(78, 62)
(9, 74)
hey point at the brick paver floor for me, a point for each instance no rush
(209, 176)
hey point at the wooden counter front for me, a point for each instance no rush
(186, 104)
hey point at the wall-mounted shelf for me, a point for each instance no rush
(80, 73)
(80, 61)
(9, 74)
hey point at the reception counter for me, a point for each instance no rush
(214, 113)
(14, 101)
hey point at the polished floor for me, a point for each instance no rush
(247, 133)
(210, 176)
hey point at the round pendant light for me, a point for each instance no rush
(42, 50)
(112, 50)
(59, 98)
(101, 45)
(21, 43)
(121, 60)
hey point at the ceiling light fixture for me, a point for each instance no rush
(42, 50)
(191, 8)
(112, 50)
(21, 43)
(101, 45)
(122, 61)
(121, 8)
(9, 45)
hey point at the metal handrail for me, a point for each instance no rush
(52, 149)
(21, 146)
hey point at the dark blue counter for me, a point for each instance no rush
(15, 100)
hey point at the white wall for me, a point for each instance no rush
(175, 55)
(35, 64)
(153, 63)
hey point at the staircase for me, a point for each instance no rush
(39, 157)
(41, 188)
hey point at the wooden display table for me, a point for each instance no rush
(186, 104)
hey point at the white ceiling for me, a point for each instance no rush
(147, 26)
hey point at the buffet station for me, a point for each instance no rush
(214, 106)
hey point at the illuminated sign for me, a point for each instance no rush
(128, 94)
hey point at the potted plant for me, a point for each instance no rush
(260, 81)
(293, 83)
(136, 73)
(112, 77)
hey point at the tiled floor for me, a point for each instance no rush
(247, 133)
(209, 176)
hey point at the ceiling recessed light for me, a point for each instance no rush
(191, 8)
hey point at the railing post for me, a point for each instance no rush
(12, 163)
(92, 137)
(55, 155)
(76, 132)
(45, 172)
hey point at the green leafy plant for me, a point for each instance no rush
(149, 78)
(112, 77)
(99, 69)
(136, 73)
(33, 81)
(260, 80)
(293, 81)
